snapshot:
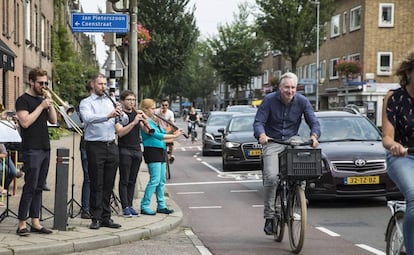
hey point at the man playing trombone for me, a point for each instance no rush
(33, 110)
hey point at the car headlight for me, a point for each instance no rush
(231, 145)
(208, 136)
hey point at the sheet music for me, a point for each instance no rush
(9, 132)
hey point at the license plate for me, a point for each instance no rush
(356, 180)
(255, 152)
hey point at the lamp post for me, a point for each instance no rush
(317, 3)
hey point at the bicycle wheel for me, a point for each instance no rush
(167, 167)
(297, 218)
(279, 220)
(394, 238)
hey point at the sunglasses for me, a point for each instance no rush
(43, 83)
(164, 104)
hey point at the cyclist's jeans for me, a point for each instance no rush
(270, 178)
(400, 170)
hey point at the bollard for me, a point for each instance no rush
(61, 189)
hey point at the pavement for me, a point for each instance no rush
(78, 237)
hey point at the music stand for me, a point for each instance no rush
(69, 119)
(8, 134)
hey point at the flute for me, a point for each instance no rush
(170, 123)
(145, 122)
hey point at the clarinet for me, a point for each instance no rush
(169, 122)
(117, 118)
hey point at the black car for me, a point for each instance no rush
(211, 136)
(240, 149)
(353, 158)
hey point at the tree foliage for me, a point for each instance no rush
(174, 33)
(71, 70)
(290, 26)
(237, 51)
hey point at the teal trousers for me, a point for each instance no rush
(156, 184)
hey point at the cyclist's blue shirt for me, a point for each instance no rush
(281, 121)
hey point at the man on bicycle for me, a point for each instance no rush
(279, 117)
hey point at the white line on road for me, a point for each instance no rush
(190, 193)
(257, 206)
(211, 167)
(197, 242)
(206, 207)
(209, 183)
(370, 249)
(327, 231)
(243, 191)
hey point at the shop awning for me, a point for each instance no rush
(6, 57)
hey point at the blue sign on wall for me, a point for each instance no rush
(100, 22)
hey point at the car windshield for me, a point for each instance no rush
(241, 124)
(218, 120)
(241, 108)
(335, 129)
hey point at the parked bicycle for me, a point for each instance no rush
(394, 235)
(296, 165)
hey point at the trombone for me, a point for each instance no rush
(67, 110)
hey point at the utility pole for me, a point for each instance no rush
(133, 43)
(317, 3)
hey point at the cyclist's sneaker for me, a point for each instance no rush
(126, 212)
(134, 213)
(172, 158)
(297, 216)
(268, 227)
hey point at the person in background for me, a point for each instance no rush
(397, 136)
(33, 109)
(11, 171)
(279, 117)
(130, 154)
(192, 116)
(154, 155)
(86, 190)
(99, 114)
(169, 116)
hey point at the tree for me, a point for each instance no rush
(173, 36)
(290, 26)
(237, 51)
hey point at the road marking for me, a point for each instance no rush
(243, 191)
(190, 193)
(370, 249)
(327, 231)
(211, 167)
(206, 207)
(209, 183)
(197, 242)
(257, 206)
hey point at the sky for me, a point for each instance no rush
(209, 14)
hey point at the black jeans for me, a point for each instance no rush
(36, 167)
(103, 162)
(129, 163)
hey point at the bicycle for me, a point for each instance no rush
(167, 165)
(394, 234)
(193, 127)
(296, 165)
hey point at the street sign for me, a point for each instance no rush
(100, 22)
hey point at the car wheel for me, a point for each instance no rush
(205, 153)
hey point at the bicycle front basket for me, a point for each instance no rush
(300, 163)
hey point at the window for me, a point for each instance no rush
(27, 26)
(386, 15)
(335, 26)
(333, 74)
(355, 57)
(355, 16)
(305, 73)
(266, 77)
(312, 71)
(277, 74)
(300, 74)
(344, 17)
(322, 69)
(42, 34)
(384, 63)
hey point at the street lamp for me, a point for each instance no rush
(317, 3)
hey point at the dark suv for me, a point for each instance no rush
(353, 158)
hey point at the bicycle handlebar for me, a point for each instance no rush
(292, 143)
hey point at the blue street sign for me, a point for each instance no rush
(99, 22)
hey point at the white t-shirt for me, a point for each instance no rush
(169, 115)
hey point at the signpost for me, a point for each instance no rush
(99, 22)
